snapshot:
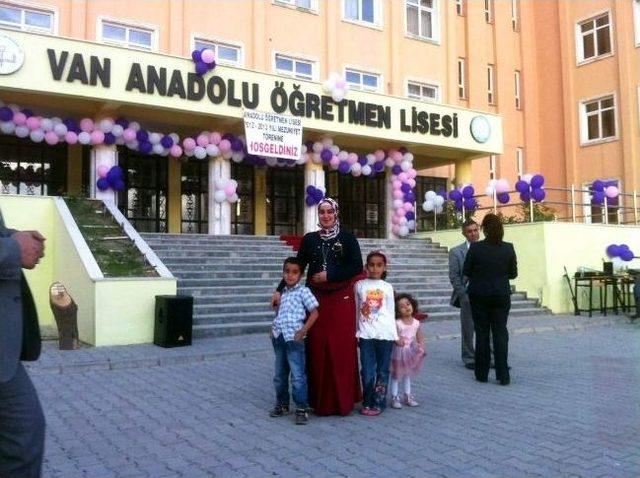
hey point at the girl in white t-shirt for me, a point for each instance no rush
(376, 333)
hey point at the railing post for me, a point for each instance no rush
(435, 220)
(530, 210)
(635, 206)
(573, 202)
(606, 210)
(495, 201)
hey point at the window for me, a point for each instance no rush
(365, 11)
(225, 54)
(302, 4)
(598, 119)
(302, 69)
(359, 80)
(636, 20)
(423, 92)
(515, 15)
(519, 161)
(491, 97)
(462, 90)
(460, 7)
(128, 36)
(26, 18)
(593, 37)
(422, 19)
(488, 11)
(492, 166)
(517, 89)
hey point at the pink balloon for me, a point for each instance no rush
(202, 140)
(224, 145)
(229, 190)
(71, 137)
(502, 186)
(407, 207)
(207, 55)
(97, 137)
(176, 151)
(611, 192)
(398, 194)
(412, 173)
(411, 182)
(395, 229)
(19, 118)
(215, 138)
(189, 144)
(86, 125)
(51, 138)
(397, 156)
(397, 203)
(379, 154)
(394, 219)
(335, 162)
(33, 122)
(403, 177)
(102, 170)
(129, 134)
(352, 158)
(397, 184)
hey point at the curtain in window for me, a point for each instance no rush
(351, 9)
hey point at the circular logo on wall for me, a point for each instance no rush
(480, 129)
(11, 56)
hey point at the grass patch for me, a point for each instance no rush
(113, 250)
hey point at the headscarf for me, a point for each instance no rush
(331, 232)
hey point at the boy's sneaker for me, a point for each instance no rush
(395, 402)
(409, 400)
(279, 411)
(302, 417)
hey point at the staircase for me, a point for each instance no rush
(232, 278)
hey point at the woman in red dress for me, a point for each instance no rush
(334, 264)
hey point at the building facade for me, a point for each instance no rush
(557, 79)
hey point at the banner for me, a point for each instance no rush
(274, 135)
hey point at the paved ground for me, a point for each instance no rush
(573, 409)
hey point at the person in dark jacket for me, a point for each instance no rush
(489, 265)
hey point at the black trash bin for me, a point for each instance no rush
(174, 320)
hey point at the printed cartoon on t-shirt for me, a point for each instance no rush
(372, 305)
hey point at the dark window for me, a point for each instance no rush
(285, 189)
(194, 185)
(362, 203)
(242, 221)
(144, 199)
(423, 184)
(35, 169)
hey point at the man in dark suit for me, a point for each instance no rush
(459, 296)
(21, 417)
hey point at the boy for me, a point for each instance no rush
(287, 336)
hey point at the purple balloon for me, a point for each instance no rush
(405, 188)
(310, 201)
(6, 113)
(597, 185)
(344, 167)
(109, 138)
(402, 150)
(396, 169)
(310, 189)
(442, 193)
(142, 136)
(27, 112)
(237, 145)
(455, 195)
(196, 55)
(626, 255)
(378, 166)
(410, 197)
(362, 159)
(166, 141)
(119, 185)
(318, 195)
(145, 147)
(522, 186)
(612, 251)
(201, 68)
(503, 198)
(71, 124)
(103, 184)
(468, 192)
(525, 196)
(228, 136)
(538, 194)
(326, 155)
(537, 181)
(123, 122)
(598, 197)
(410, 216)
(309, 145)
(470, 203)
(458, 204)
(118, 170)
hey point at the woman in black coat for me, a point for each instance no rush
(488, 266)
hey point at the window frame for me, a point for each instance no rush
(315, 65)
(33, 7)
(493, 166)
(517, 78)
(519, 161)
(216, 42)
(491, 86)
(362, 71)
(127, 24)
(294, 6)
(424, 83)
(435, 22)
(377, 24)
(579, 38)
(583, 119)
(636, 21)
(488, 11)
(462, 78)
(460, 8)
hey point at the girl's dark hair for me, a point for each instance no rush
(412, 301)
(493, 229)
(381, 255)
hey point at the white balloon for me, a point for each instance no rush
(343, 155)
(134, 145)
(174, 137)
(335, 149)
(328, 85)
(60, 129)
(7, 127)
(37, 135)
(489, 191)
(403, 231)
(165, 152)
(408, 157)
(233, 198)
(398, 203)
(317, 147)
(337, 95)
(188, 152)
(220, 183)
(427, 206)
(438, 201)
(402, 220)
(219, 196)
(235, 159)
(493, 183)
(134, 125)
(199, 152)
(117, 130)
(411, 225)
(106, 125)
(366, 170)
(84, 137)
(527, 178)
(389, 162)
(327, 142)
(158, 148)
(405, 165)
(233, 182)
(212, 150)
(46, 124)
(356, 169)
(120, 140)
(439, 209)
(239, 155)
(430, 195)
(154, 138)
(272, 161)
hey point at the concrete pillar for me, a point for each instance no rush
(463, 172)
(313, 176)
(219, 213)
(106, 155)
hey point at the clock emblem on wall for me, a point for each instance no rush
(480, 129)
(11, 56)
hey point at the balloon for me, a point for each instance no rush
(503, 198)
(338, 95)
(366, 171)
(403, 231)
(176, 151)
(438, 201)
(468, 192)
(326, 155)
(458, 204)
(102, 170)
(356, 169)
(196, 55)
(405, 165)
(334, 162)
(489, 190)
(405, 188)
(106, 125)
(71, 137)
(84, 138)
(229, 189)
(527, 178)
(470, 203)
(201, 68)
(309, 201)
(611, 192)
(37, 135)
(86, 125)
(598, 197)
(597, 185)
(33, 122)
(103, 184)
(428, 206)
(537, 181)
(154, 138)
(626, 255)
(396, 169)
(455, 195)
(199, 152)
(156, 148)
(51, 138)
(612, 250)
(525, 196)
(19, 118)
(538, 194)
(522, 186)
(219, 196)
(207, 55)
(502, 186)
(430, 195)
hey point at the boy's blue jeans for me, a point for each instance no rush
(290, 359)
(375, 359)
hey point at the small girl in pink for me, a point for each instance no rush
(408, 351)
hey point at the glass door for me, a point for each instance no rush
(285, 196)
(194, 185)
(242, 212)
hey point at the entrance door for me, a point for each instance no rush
(242, 212)
(32, 168)
(285, 189)
(144, 199)
(193, 197)
(362, 203)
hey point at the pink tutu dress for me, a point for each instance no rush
(406, 360)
